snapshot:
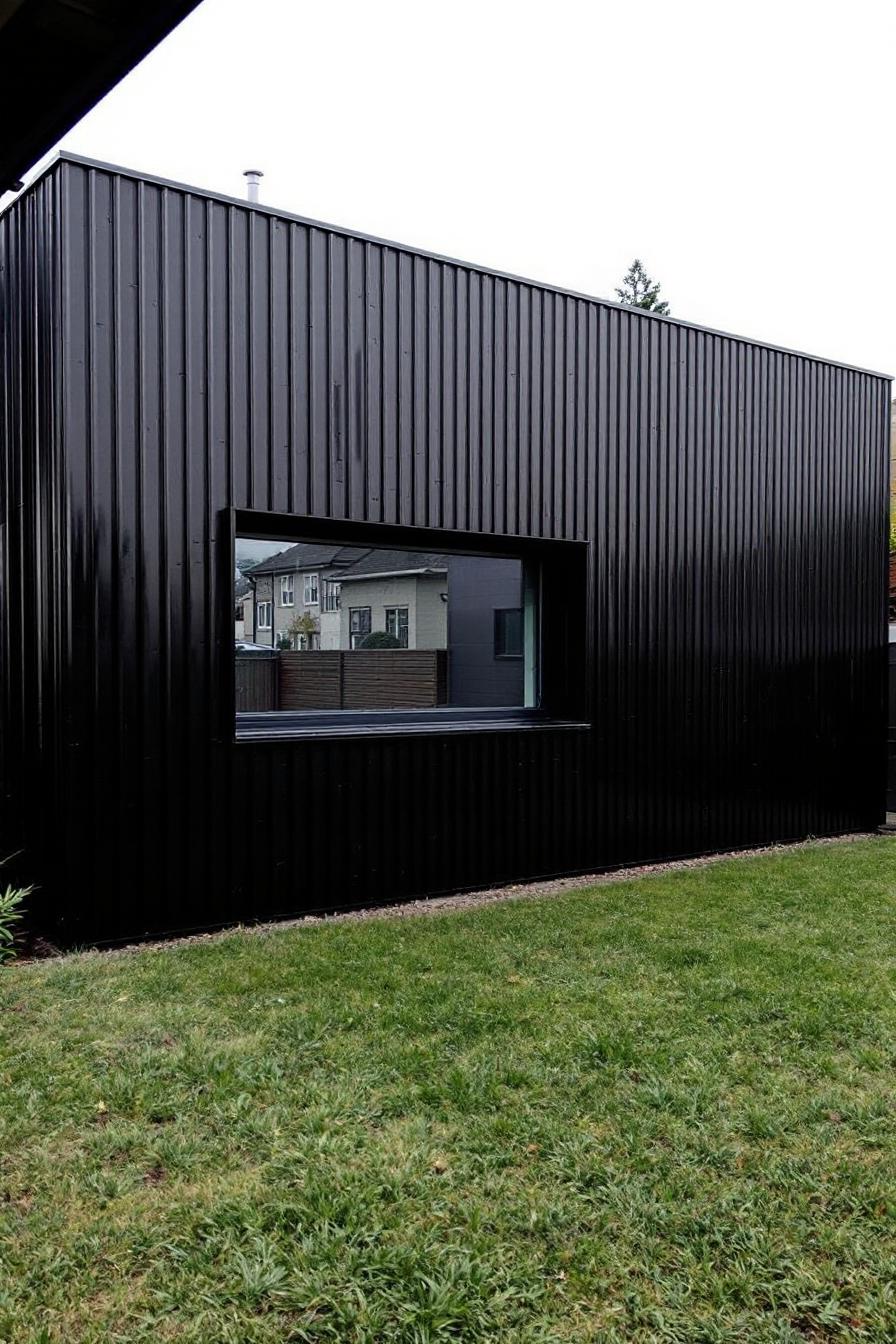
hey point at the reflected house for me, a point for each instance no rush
(295, 596)
(399, 593)
(325, 598)
(242, 606)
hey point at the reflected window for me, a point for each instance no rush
(358, 626)
(380, 628)
(508, 632)
(397, 625)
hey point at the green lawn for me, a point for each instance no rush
(661, 1109)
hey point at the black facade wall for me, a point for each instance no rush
(192, 355)
(34, 611)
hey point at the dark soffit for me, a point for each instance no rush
(59, 57)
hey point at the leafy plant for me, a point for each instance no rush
(10, 915)
(380, 639)
(301, 628)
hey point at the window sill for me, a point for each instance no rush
(286, 727)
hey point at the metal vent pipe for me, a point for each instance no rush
(253, 177)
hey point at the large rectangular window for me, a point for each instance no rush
(388, 634)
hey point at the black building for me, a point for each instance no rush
(701, 521)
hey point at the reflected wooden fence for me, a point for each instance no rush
(257, 682)
(342, 679)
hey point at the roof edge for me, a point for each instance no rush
(99, 165)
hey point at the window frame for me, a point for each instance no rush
(565, 630)
(289, 579)
(502, 654)
(311, 583)
(267, 604)
(331, 596)
(407, 624)
(363, 633)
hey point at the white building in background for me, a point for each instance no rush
(293, 599)
(324, 597)
(398, 593)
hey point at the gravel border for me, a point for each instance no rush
(468, 900)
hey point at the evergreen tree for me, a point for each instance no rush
(640, 291)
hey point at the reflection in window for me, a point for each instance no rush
(397, 625)
(358, 626)
(508, 632)
(370, 628)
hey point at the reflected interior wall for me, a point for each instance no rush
(475, 592)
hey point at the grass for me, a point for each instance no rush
(658, 1110)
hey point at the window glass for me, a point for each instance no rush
(397, 625)
(508, 632)
(381, 628)
(359, 619)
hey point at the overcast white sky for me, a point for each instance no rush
(742, 150)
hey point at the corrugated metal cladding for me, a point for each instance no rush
(168, 355)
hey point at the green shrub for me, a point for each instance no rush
(10, 915)
(380, 639)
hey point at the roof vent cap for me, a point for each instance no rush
(253, 176)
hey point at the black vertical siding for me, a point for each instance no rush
(35, 578)
(169, 355)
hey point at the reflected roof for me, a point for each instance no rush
(307, 555)
(383, 561)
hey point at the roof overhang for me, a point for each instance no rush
(59, 57)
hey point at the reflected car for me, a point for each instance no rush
(246, 646)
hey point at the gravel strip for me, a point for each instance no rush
(470, 900)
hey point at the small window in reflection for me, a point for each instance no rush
(325, 626)
(508, 632)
